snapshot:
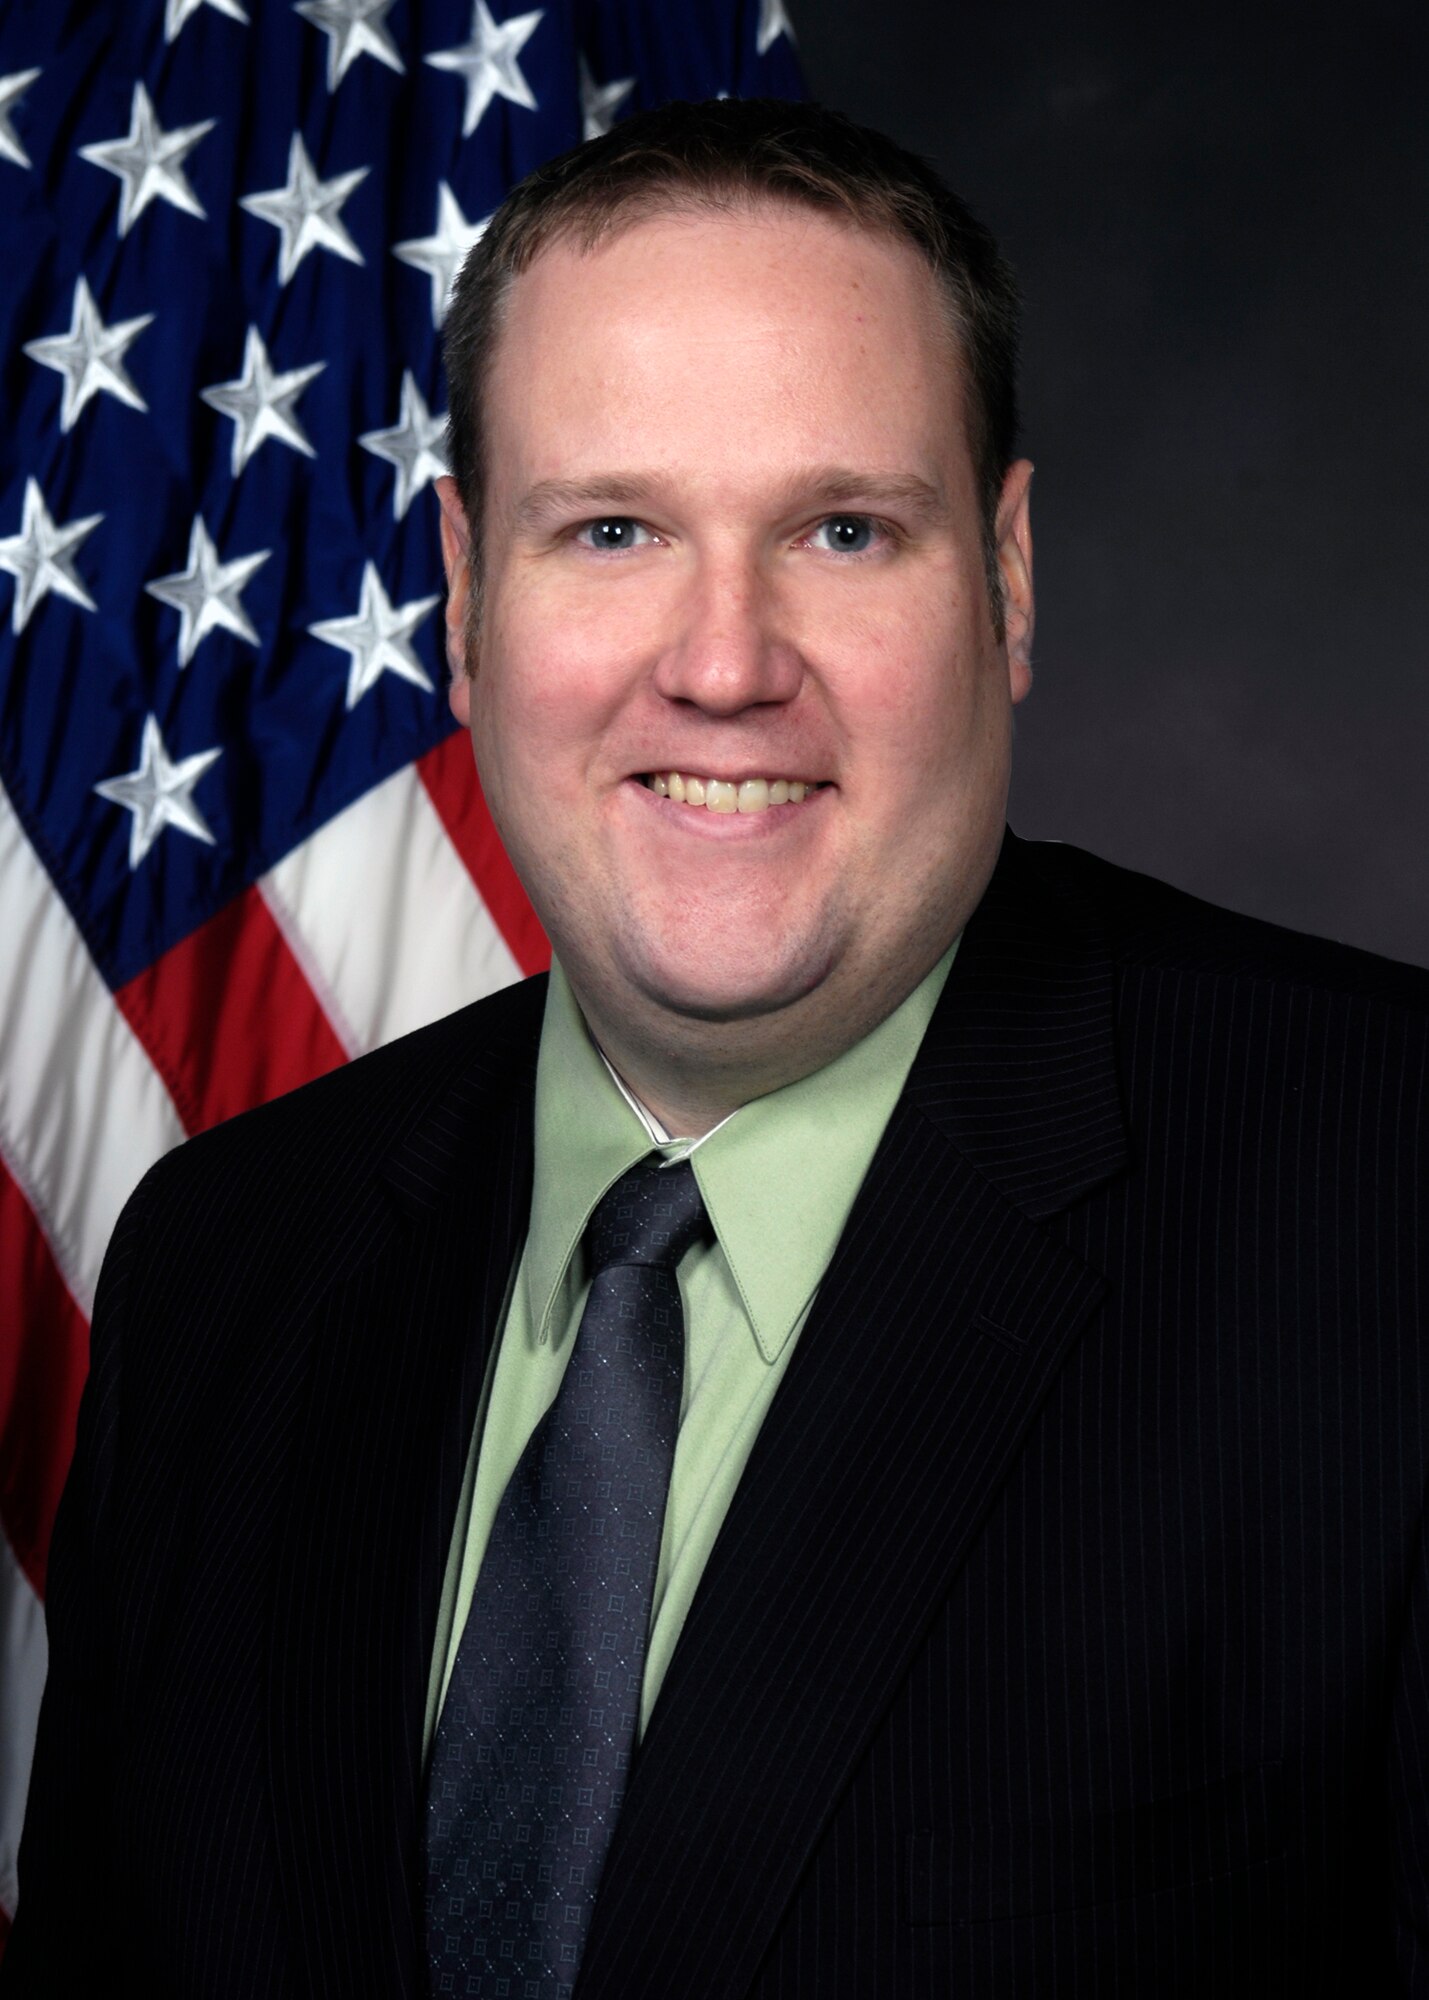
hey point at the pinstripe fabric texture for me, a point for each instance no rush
(1068, 1633)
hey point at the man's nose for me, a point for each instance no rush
(728, 648)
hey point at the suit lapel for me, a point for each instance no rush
(398, 1344)
(945, 1314)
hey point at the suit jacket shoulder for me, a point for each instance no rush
(1150, 924)
(219, 1255)
(298, 1161)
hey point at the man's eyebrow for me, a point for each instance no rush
(550, 497)
(844, 486)
(828, 487)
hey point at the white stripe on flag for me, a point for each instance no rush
(83, 1111)
(381, 914)
(23, 1658)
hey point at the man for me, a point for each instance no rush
(971, 1543)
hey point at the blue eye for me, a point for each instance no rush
(848, 534)
(614, 533)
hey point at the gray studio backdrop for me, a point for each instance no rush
(1220, 217)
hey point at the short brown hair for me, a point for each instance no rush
(730, 153)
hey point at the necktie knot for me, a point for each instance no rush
(651, 1216)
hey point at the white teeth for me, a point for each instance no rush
(725, 795)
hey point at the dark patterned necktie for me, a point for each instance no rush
(533, 1748)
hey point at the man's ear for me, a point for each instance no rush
(1014, 561)
(456, 555)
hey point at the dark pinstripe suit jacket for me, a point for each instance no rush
(1067, 1634)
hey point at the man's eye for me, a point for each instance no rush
(613, 533)
(846, 534)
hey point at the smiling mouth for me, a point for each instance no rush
(728, 795)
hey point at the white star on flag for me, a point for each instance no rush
(377, 637)
(260, 403)
(207, 595)
(149, 161)
(488, 63)
(307, 211)
(442, 255)
(353, 28)
(773, 22)
(159, 793)
(177, 12)
(600, 102)
(12, 89)
(90, 356)
(413, 444)
(41, 557)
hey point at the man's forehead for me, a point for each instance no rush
(819, 344)
(662, 307)
(674, 236)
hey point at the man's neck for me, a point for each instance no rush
(659, 1132)
(692, 1075)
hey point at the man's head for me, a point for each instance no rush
(733, 458)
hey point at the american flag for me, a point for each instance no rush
(240, 841)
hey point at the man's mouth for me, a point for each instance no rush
(729, 795)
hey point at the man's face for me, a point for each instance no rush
(732, 533)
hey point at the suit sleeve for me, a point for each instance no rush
(1409, 1785)
(68, 1927)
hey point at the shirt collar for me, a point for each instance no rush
(778, 1176)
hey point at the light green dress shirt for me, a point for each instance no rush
(778, 1177)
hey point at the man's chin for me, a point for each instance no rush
(691, 992)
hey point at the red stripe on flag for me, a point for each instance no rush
(228, 1017)
(449, 775)
(44, 1356)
